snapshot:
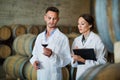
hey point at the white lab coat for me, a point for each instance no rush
(93, 41)
(50, 67)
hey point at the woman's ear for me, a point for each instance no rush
(90, 26)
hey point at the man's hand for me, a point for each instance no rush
(36, 65)
(47, 52)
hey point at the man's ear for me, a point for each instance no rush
(58, 19)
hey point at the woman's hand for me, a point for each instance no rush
(78, 58)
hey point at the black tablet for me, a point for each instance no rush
(87, 54)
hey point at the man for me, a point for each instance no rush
(49, 60)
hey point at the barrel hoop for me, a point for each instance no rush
(27, 69)
(5, 63)
(67, 73)
(31, 73)
(15, 44)
(31, 44)
(72, 72)
(14, 67)
(26, 37)
(14, 31)
(21, 69)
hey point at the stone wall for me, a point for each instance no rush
(32, 11)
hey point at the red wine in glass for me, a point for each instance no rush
(44, 45)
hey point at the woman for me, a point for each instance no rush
(88, 39)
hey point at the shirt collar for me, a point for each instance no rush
(51, 32)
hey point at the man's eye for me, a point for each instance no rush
(49, 18)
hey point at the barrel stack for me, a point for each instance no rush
(17, 65)
(5, 45)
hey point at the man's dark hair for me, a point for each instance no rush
(54, 9)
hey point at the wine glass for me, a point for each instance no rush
(44, 43)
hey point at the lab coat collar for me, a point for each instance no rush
(90, 37)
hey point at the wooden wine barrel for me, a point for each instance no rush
(33, 29)
(5, 33)
(108, 21)
(102, 72)
(5, 51)
(29, 72)
(89, 71)
(23, 44)
(14, 65)
(65, 73)
(64, 29)
(42, 28)
(18, 30)
(73, 73)
(117, 52)
(71, 37)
